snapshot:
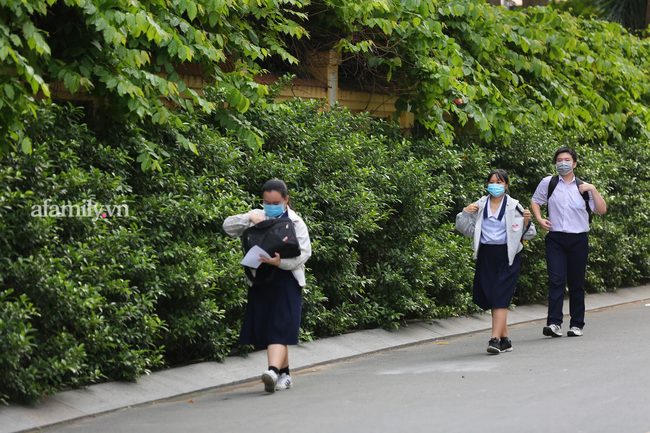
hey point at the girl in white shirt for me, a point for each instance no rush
(498, 224)
(274, 307)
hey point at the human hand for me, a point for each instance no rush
(545, 224)
(586, 187)
(255, 218)
(471, 208)
(275, 261)
(526, 217)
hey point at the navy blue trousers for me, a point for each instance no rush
(566, 260)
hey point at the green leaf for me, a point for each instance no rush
(133, 104)
(191, 10)
(233, 97)
(243, 105)
(146, 163)
(9, 91)
(122, 89)
(424, 9)
(71, 81)
(26, 145)
(214, 19)
(111, 82)
(141, 21)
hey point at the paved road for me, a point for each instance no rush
(596, 383)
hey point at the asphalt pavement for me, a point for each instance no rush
(426, 376)
(595, 383)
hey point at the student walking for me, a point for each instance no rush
(274, 307)
(570, 203)
(499, 225)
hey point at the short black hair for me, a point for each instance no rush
(571, 151)
(501, 175)
(276, 185)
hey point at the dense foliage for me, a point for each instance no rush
(584, 8)
(504, 69)
(126, 53)
(84, 299)
(631, 14)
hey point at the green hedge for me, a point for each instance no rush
(89, 299)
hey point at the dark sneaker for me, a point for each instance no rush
(493, 346)
(574, 332)
(552, 330)
(505, 345)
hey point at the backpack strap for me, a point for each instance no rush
(520, 209)
(551, 186)
(263, 279)
(585, 197)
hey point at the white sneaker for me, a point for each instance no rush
(284, 382)
(552, 331)
(574, 332)
(270, 378)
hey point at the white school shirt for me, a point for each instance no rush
(493, 231)
(566, 208)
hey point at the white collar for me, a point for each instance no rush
(489, 209)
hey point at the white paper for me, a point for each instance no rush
(252, 258)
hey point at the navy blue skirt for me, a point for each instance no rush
(494, 280)
(273, 312)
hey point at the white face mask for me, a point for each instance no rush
(564, 167)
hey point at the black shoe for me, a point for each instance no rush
(493, 346)
(505, 345)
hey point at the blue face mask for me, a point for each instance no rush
(496, 190)
(274, 210)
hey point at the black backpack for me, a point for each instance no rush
(585, 195)
(273, 236)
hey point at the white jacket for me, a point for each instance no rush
(469, 224)
(235, 225)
